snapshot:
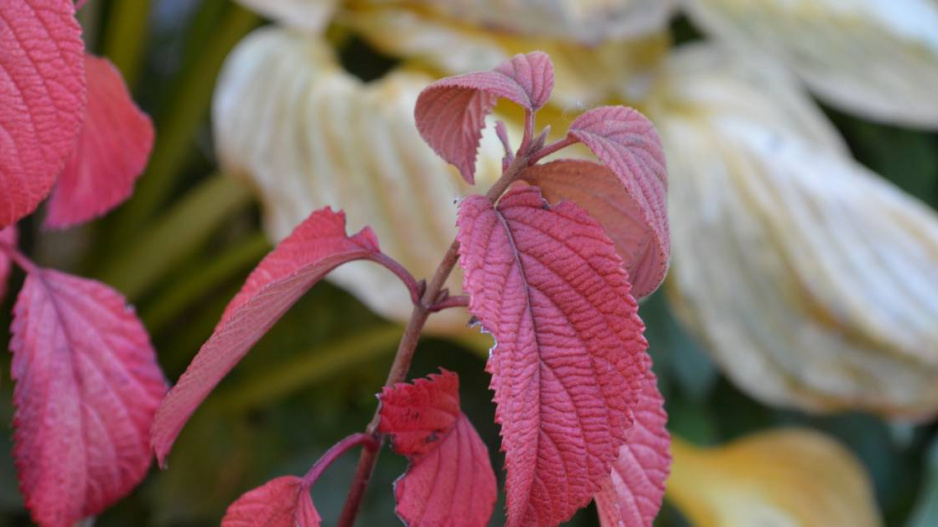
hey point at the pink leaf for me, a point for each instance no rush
(316, 247)
(641, 242)
(568, 363)
(112, 151)
(42, 99)
(451, 112)
(8, 238)
(450, 480)
(627, 143)
(281, 502)
(87, 387)
(631, 496)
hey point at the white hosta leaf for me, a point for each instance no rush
(781, 478)
(586, 21)
(310, 15)
(878, 58)
(586, 75)
(308, 135)
(811, 279)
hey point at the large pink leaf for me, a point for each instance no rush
(87, 387)
(42, 99)
(451, 112)
(641, 242)
(316, 246)
(568, 364)
(450, 480)
(281, 502)
(628, 144)
(631, 496)
(111, 153)
(8, 237)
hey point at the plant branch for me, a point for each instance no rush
(450, 301)
(18, 258)
(343, 446)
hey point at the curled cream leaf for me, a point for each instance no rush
(309, 15)
(589, 22)
(586, 75)
(876, 58)
(783, 477)
(811, 279)
(307, 135)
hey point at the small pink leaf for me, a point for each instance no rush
(642, 243)
(451, 112)
(42, 99)
(568, 364)
(111, 153)
(281, 502)
(450, 480)
(87, 387)
(8, 237)
(316, 247)
(627, 143)
(631, 496)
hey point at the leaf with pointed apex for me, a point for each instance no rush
(642, 244)
(111, 153)
(87, 387)
(451, 112)
(42, 99)
(281, 502)
(316, 247)
(450, 480)
(568, 365)
(632, 494)
(8, 237)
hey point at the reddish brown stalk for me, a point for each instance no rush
(408, 344)
(337, 450)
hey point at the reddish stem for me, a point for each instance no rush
(450, 301)
(343, 446)
(395, 267)
(551, 148)
(19, 258)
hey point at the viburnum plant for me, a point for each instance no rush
(555, 255)
(87, 380)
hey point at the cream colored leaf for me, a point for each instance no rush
(877, 58)
(308, 135)
(619, 69)
(783, 478)
(585, 21)
(310, 15)
(811, 279)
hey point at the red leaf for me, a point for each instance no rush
(87, 386)
(112, 151)
(8, 237)
(451, 112)
(568, 363)
(281, 502)
(642, 243)
(627, 143)
(450, 480)
(632, 495)
(42, 99)
(316, 247)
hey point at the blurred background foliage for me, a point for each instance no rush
(183, 245)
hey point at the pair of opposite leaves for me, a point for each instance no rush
(87, 380)
(579, 408)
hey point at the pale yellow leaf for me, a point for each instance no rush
(811, 279)
(309, 15)
(878, 58)
(615, 70)
(308, 135)
(783, 478)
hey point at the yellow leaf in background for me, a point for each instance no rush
(308, 135)
(811, 280)
(878, 58)
(309, 15)
(586, 21)
(615, 70)
(783, 478)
